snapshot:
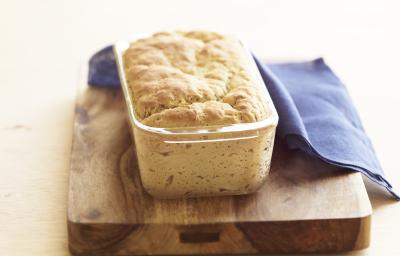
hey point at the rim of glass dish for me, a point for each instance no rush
(119, 49)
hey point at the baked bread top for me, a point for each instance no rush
(192, 79)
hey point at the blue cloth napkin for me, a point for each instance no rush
(316, 114)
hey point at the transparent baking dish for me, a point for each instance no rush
(201, 161)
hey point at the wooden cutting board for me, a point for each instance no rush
(305, 205)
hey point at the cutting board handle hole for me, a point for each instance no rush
(190, 237)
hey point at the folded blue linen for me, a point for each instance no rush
(316, 114)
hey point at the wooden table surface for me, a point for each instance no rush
(44, 43)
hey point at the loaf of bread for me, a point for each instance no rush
(193, 79)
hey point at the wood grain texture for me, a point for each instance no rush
(304, 206)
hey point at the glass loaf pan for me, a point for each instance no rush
(203, 161)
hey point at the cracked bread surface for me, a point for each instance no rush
(193, 79)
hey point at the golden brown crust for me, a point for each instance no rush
(196, 78)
